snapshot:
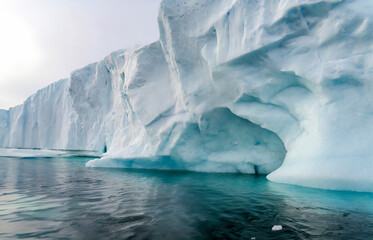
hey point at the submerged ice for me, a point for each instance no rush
(278, 87)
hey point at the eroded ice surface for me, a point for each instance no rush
(231, 86)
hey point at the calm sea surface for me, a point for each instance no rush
(59, 198)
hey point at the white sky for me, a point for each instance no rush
(42, 41)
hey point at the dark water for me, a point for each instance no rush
(59, 198)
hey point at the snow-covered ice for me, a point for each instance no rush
(278, 87)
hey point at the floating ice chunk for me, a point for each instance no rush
(277, 228)
(27, 153)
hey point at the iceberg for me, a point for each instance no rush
(282, 88)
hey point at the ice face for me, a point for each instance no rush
(42, 121)
(4, 125)
(231, 86)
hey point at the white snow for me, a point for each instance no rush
(231, 86)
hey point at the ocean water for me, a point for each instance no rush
(59, 198)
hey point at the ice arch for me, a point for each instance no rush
(223, 142)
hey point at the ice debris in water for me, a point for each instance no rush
(277, 228)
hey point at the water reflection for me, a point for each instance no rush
(60, 198)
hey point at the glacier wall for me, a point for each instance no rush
(271, 87)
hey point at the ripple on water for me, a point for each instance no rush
(60, 198)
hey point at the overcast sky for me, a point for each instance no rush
(42, 41)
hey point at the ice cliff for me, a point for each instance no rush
(271, 87)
